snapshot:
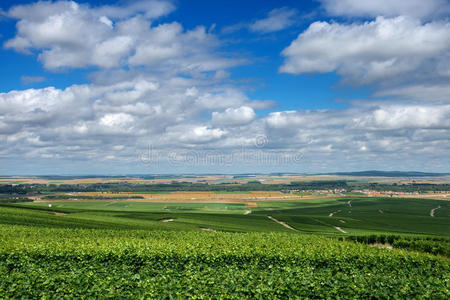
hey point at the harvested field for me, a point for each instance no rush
(188, 197)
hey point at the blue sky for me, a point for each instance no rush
(311, 91)
(88, 87)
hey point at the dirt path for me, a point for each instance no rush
(51, 212)
(340, 229)
(282, 223)
(433, 210)
(247, 212)
(386, 246)
(166, 220)
(335, 212)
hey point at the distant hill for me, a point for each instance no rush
(390, 174)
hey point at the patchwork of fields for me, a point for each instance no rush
(355, 215)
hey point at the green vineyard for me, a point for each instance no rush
(52, 263)
(52, 253)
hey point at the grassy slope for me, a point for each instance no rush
(410, 216)
(400, 216)
(81, 218)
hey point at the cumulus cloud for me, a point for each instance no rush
(118, 120)
(420, 91)
(384, 50)
(133, 113)
(197, 134)
(92, 122)
(366, 130)
(140, 97)
(234, 116)
(65, 34)
(151, 9)
(414, 8)
(277, 19)
(406, 117)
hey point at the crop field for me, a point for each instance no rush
(198, 195)
(353, 215)
(253, 249)
(214, 179)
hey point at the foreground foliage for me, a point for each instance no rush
(38, 262)
(427, 244)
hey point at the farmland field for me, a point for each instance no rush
(355, 215)
(248, 249)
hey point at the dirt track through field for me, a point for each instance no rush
(166, 220)
(433, 210)
(340, 229)
(51, 212)
(335, 212)
(282, 223)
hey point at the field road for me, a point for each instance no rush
(340, 229)
(166, 220)
(282, 223)
(335, 212)
(433, 210)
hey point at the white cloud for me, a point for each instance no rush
(406, 117)
(151, 9)
(414, 8)
(424, 91)
(234, 116)
(150, 102)
(89, 122)
(65, 34)
(222, 100)
(379, 130)
(108, 53)
(119, 120)
(131, 113)
(277, 19)
(378, 51)
(199, 134)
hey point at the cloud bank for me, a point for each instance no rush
(413, 8)
(158, 85)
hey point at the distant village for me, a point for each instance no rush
(369, 192)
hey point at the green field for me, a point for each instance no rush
(122, 249)
(364, 216)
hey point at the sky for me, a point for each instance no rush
(157, 87)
